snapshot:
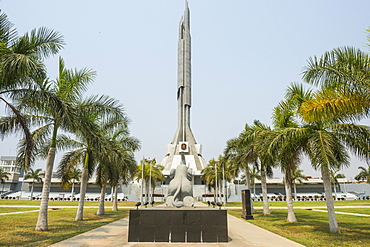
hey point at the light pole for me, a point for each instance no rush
(344, 182)
(162, 182)
(150, 181)
(151, 190)
(20, 172)
(192, 182)
(216, 182)
(20, 196)
(21, 188)
(223, 184)
(142, 180)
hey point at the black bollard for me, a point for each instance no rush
(247, 205)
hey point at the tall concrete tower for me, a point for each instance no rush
(184, 141)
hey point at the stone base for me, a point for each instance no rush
(178, 225)
(188, 202)
(248, 217)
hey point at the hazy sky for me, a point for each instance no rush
(244, 55)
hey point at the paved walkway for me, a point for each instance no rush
(241, 233)
(21, 212)
(363, 215)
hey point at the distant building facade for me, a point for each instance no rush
(132, 191)
(8, 164)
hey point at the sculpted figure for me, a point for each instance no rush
(180, 189)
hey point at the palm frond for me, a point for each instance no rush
(7, 32)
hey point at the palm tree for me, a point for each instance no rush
(254, 174)
(35, 175)
(253, 139)
(334, 180)
(21, 64)
(126, 170)
(151, 173)
(92, 148)
(21, 57)
(286, 150)
(3, 176)
(287, 155)
(216, 174)
(226, 173)
(102, 181)
(55, 105)
(209, 176)
(343, 76)
(237, 164)
(117, 161)
(70, 178)
(364, 174)
(297, 177)
(64, 93)
(83, 153)
(247, 149)
(156, 176)
(327, 145)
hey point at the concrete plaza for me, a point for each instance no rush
(241, 233)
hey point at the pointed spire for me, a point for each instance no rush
(187, 15)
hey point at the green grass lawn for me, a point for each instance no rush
(62, 203)
(304, 204)
(18, 229)
(13, 209)
(354, 210)
(312, 228)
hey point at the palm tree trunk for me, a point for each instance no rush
(254, 189)
(219, 190)
(101, 210)
(295, 192)
(248, 185)
(32, 191)
(42, 221)
(84, 180)
(214, 193)
(289, 199)
(335, 191)
(333, 224)
(266, 208)
(247, 179)
(147, 192)
(73, 190)
(152, 199)
(115, 199)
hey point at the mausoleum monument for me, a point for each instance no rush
(184, 148)
(183, 163)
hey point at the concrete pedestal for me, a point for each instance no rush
(178, 225)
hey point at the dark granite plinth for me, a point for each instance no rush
(178, 225)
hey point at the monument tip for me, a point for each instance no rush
(187, 15)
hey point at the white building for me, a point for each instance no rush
(8, 164)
